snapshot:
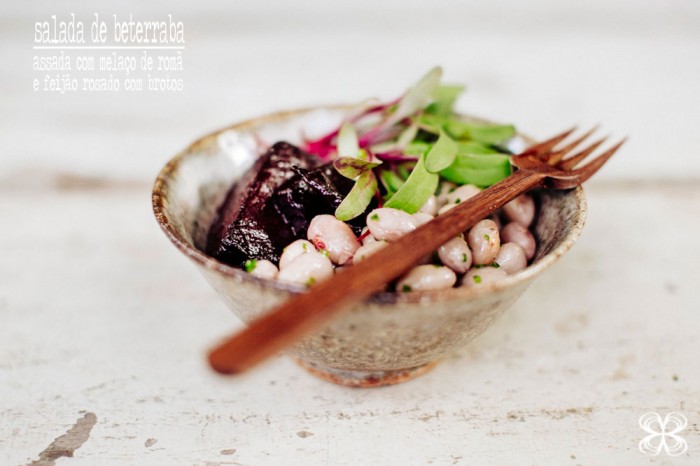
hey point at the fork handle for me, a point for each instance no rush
(305, 312)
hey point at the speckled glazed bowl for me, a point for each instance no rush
(390, 338)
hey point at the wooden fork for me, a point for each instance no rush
(541, 165)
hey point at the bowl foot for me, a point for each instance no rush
(364, 379)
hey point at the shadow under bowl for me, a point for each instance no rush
(391, 337)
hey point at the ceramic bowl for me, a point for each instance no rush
(389, 338)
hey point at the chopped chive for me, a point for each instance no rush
(310, 281)
(495, 265)
(374, 217)
(477, 279)
(303, 246)
(406, 288)
(464, 257)
(487, 237)
(324, 252)
(458, 200)
(250, 265)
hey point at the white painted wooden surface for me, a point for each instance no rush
(100, 314)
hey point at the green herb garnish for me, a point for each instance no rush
(419, 186)
(442, 154)
(250, 264)
(477, 279)
(359, 197)
(418, 139)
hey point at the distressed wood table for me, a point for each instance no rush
(104, 326)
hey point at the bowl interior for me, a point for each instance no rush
(191, 187)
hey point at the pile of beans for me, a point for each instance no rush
(493, 248)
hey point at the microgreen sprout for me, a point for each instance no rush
(397, 151)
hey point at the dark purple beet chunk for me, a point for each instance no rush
(308, 194)
(274, 204)
(240, 230)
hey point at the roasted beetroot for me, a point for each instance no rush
(273, 205)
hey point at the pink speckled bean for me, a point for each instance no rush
(511, 258)
(520, 210)
(516, 233)
(264, 269)
(294, 250)
(330, 234)
(456, 254)
(484, 241)
(462, 194)
(483, 276)
(427, 278)
(422, 218)
(390, 224)
(367, 250)
(307, 269)
(430, 207)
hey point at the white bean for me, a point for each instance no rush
(462, 193)
(516, 233)
(307, 269)
(483, 276)
(484, 241)
(390, 224)
(330, 234)
(521, 210)
(422, 218)
(427, 278)
(446, 187)
(367, 237)
(367, 250)
(511, 258)
(445, 208)
(456, 254)
(294, 250)
(431, 206)
(263, 269)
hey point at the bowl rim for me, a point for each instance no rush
(159, 200)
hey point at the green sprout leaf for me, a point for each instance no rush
(406, 136)
(445, 97)
(416, 98)
(404, 170)
(486, 134)
(478, 169)
(348, 144)
(442, 154)
(351, 167)
(419, 186)
(417, 148)
(391, 181)
(358, 198)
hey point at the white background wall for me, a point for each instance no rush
(631, 65)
